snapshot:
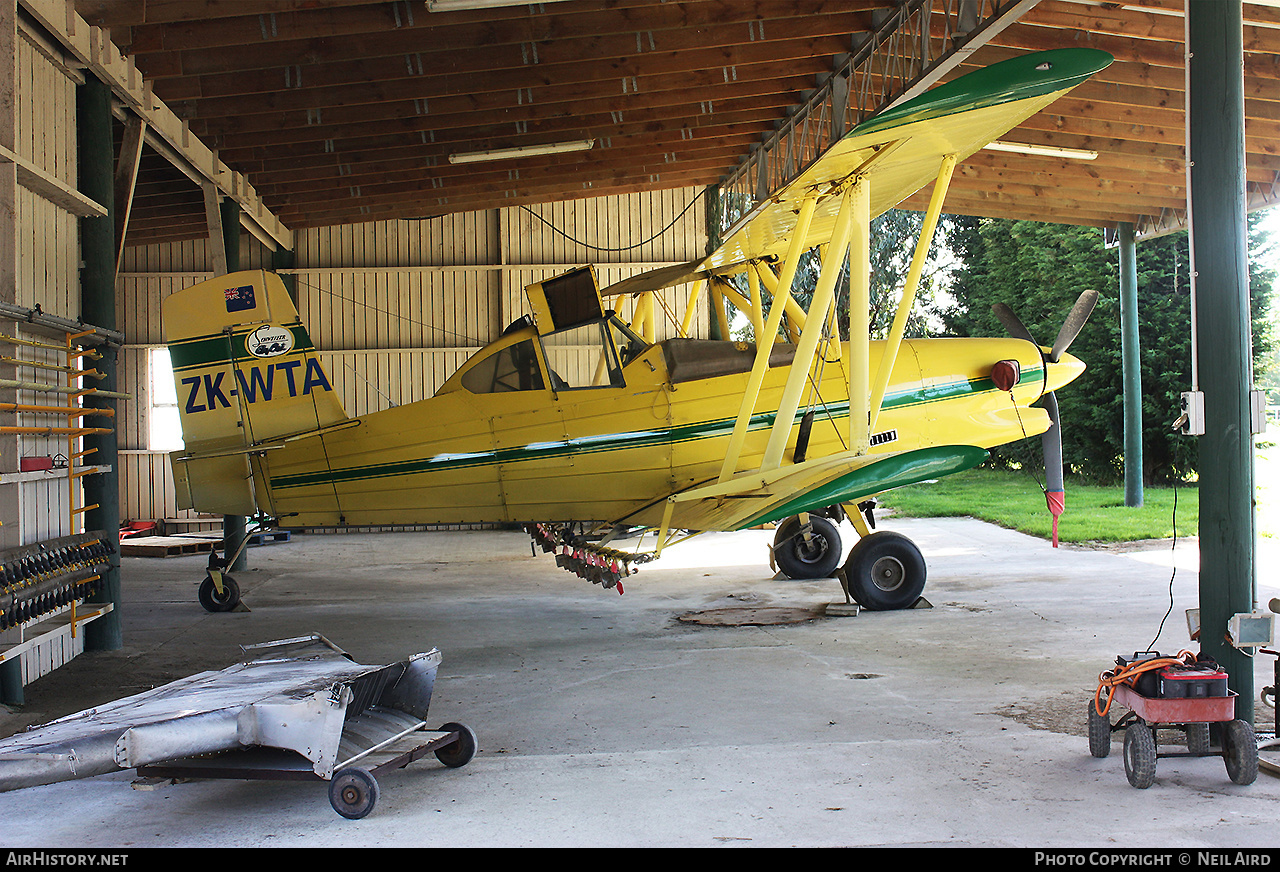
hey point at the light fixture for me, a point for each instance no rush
(521, 151)
(458, 5)
(1042, 150)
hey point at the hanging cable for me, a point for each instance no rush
(621, 248)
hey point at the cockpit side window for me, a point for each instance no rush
(514, 368)
(582, 356)
(629, 343)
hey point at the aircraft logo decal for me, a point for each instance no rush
(269, 341)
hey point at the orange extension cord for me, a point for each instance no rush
(1129, 675)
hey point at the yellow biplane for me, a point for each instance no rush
(577, 426)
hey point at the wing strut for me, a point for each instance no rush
(923, 245)
(764, 341)
(823, 296)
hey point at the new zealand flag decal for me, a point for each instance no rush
(240, 299)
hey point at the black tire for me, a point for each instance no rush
(353, 792)
(1198, 738)
(460, 751)
(1099, 732)
(885, 571)
(1240, 749)
(212, 601)
(814, 557)
(1140, 755)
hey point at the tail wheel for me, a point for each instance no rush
(885, 571)
(213, 601)
(814, 554)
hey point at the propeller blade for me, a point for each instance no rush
(1051, 445)
(1075, 322)
(1013, 323)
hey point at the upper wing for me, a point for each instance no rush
(755, 498)
(899, 151)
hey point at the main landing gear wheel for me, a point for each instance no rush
(219, 602)
(885, 571)
(815, 555)
(353, 792)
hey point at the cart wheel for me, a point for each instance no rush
(1140, 755)
(353, 792)
(1099, 732)
(1240, 748)
(212, 601)
(1198, 738)
(460, 751)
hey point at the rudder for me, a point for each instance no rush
(246, 374)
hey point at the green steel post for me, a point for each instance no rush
(96, 156)
(233, 526)
(1132, 366)
(1219, 258)
(284, 258)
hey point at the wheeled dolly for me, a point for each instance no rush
(1192, 716)
(373, 744)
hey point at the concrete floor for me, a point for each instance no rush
(605, 721)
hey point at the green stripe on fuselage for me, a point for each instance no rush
(718, 428)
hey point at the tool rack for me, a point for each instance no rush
(46, 583)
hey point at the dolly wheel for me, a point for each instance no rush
(460, 751)
(1099, 732)
(219, 602)
(1140, 755)
(1240, 748)
(353, 792)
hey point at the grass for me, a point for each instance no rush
(1016, 500)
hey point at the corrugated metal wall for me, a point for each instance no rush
(47, 263)
(396, 306)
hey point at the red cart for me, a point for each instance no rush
(1239, 747)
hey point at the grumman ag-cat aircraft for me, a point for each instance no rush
(579, 426)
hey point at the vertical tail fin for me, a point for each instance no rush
(246, 373)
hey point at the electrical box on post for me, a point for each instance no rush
(1258, 411)
(1191, 421)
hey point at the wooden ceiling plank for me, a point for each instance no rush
(663, 28)
(725, 150)
(502, 135)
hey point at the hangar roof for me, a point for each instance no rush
(341, 111)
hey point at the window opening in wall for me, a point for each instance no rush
(165, 428)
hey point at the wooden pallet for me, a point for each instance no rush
(165, 546)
